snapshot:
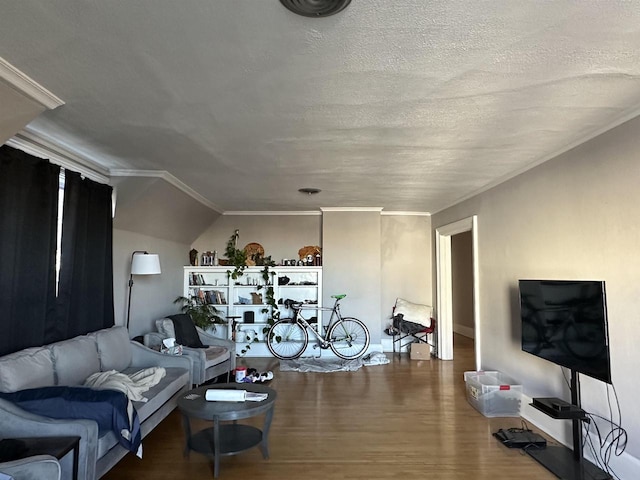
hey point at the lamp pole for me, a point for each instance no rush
(144, 252)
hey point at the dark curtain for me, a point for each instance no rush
(85, 291)
(28, 212)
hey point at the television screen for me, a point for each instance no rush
(565, 322)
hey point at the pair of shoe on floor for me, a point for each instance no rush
(254, 376)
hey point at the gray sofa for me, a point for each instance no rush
(218, 359)
(38, 467)
(69, 363)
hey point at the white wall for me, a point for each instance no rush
(575, 217)
(153, 295)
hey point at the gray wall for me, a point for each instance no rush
(574, 217)
(16, 112)
(406, 247)
(280, 235)
(351, 265)
(394, 251)
(153, 295)
(462, 283)
(154, 207)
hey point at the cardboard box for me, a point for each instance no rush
(420, 351)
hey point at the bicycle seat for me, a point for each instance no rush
(339, 297)
(292, 303)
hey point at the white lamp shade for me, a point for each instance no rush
(145, 264)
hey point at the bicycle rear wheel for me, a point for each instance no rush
(349, 338)
(286, 339)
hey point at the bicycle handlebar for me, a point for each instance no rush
(296, 305)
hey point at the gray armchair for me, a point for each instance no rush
(38, 467)
(217, 359)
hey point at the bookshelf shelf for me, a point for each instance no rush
(294, 283)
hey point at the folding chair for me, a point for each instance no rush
(412, 322)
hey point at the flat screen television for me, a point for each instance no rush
(565, 322)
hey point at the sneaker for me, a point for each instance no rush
(265, 377)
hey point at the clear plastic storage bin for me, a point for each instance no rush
(493, 394)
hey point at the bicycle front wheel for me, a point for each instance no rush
(287, 339)
(349, 338)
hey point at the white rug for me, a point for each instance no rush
(326, 365)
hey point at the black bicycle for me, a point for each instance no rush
(347, 337)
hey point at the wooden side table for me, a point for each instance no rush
(29, 446)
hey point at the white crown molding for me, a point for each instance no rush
(35, 144)
(406, 214)
(27, 86)
(267, 213)
(169, 178)
(351, 209)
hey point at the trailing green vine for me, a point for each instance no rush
(238, 258)
(270, 300)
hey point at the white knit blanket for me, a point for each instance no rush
(133, 385)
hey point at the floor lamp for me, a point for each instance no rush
(142, 263)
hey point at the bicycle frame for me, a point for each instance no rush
(335, 313)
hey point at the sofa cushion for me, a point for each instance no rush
(158, 395)
(216, 355)
(106, 442)
(28, 368)
(165, 327)
(114, 348)
(74, 360)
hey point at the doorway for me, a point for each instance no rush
(444, 288)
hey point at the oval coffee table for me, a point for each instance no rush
(227, 438)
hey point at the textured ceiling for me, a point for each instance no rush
(409, 105)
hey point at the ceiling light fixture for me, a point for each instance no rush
(315, 8)
(309, 191)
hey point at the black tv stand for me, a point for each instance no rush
(560, 461)
(563, 462)
(559, 409)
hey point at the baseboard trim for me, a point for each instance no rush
(259, 349)
(464, 331)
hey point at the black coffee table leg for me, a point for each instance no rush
(186, 424)
(264, 446)
(216, 447)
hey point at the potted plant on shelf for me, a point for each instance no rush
(203, 315)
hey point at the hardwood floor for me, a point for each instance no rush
(405, 420)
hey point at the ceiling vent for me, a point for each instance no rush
(315, 8)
